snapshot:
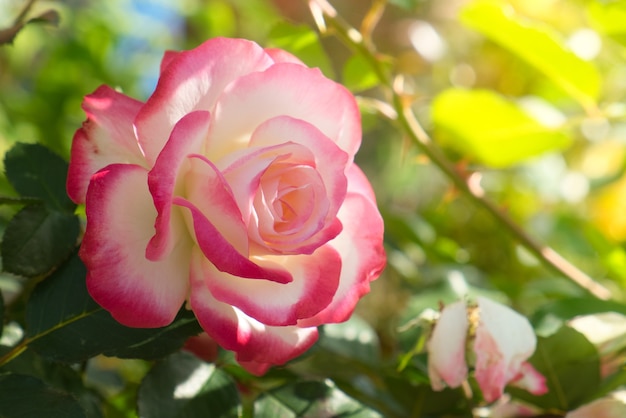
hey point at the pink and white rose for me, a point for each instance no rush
(502, 342)
(231, 189)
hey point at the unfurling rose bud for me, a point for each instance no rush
(498, 341)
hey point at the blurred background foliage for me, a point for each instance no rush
(527, 93)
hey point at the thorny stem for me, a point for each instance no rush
(327, 19)
(20, 18)
(7, 35)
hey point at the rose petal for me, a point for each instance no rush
(192, 80)
(280, 55)
(256, 345)
(120, 218)
(295, 148)
(360, 247)
(504, 340)
(255, 367)
(446, 347)
(187, 138)
(168, 57)
(315, 280)
(531, 380)
(217, 225)
(106, 137)
(328, 160)
(202, 346)
(284, 89)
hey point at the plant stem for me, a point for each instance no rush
(466, 184)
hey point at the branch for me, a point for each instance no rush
(327, 19)
(8, 35)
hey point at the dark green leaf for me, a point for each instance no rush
(1, 314)
(571, 366)
(65, 324)
(38, 239)
(184, 386)
(25, 396)
(8, 200)
(310, 399)
(551, 316)
(354, 339)
(303, 42)
(58, 376)
(343, 351)
(35, 171)
(491, 130)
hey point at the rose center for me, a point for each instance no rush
(290, 205)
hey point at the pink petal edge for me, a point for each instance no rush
(120, 216)
(360, 246)
(192, 80)
(256, 345)
(187, 138)
(106, 137)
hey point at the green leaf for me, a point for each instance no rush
(571, 366)
(184, 386)
(8, 200)
(58, 376)
(310, 399)
(25, 396)
(491, 130)
(35, 171)
(538, 45)
(553, 315)
(358, 74)
(302, 42)
(354, 339)
(406, 4)
(608, 18)
(65, 324)
(1, 314)
(38, 239)
(343, 351)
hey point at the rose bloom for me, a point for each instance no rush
(502, 342)
(232, 188)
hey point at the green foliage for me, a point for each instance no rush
(571, 366)
(537, 45)
(26, 396)
(181, 385)
(486, 127)
(358, 74)
(309, 398)
(302, 42)
(36, 239)
(65, 324)
(35, 172)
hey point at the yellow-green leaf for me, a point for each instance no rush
(489, 129)
(537, 44)
(358, 75)
(608, 18)
(303, 42)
